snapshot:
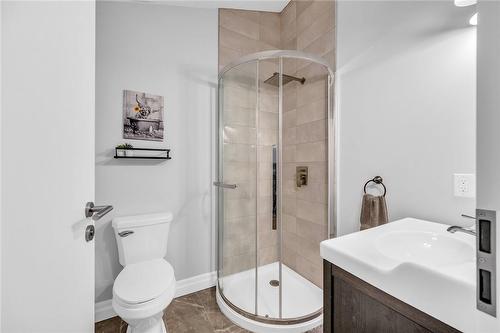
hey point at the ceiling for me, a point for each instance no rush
(262, 5)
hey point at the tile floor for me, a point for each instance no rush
(193, 313)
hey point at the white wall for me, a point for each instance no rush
(168, 51)
(406, 78)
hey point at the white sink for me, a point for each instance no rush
(418, 262)
(425, 248)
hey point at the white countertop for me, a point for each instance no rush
(418, 262)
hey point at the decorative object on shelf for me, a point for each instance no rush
(142, 116)
(124, 150)
(143, 153)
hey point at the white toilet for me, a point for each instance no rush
(146, 285)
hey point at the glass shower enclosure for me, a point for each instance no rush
(274, 187)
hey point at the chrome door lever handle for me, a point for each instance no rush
(221, 184)
(96, 212)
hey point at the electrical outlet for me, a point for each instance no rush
(464, 185)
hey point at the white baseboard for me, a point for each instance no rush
(104, 310)
(195, 283)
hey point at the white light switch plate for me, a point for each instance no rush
(464, 185)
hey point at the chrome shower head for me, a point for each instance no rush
(275, 79)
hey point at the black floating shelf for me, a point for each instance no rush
(154, 155)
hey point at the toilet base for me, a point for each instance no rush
(153, 324)
(163, 329)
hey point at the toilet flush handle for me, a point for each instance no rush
(125, 233)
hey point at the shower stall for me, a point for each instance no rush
(275, 189)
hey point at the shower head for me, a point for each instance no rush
(275, 79)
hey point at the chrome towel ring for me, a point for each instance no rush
(377, 180)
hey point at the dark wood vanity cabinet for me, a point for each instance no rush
(353, 306)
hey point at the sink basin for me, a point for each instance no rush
(418, 262)
(425, 248)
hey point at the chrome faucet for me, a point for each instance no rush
(455, 228)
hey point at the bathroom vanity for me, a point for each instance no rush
(406, 276)
(352, 305)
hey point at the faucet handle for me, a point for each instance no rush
(468, 216)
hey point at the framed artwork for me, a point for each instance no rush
(142, 116)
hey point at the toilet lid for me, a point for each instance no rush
(144, 281)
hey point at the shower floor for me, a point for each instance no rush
(300, 296)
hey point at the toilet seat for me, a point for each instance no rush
(144, 281)
(143, 289)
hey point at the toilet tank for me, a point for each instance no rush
(141, 237)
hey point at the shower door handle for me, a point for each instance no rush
(221, 184)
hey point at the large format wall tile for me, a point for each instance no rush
(311, 132)
(307, 17)
(317, 29)
(236, 41)
(312, 111)
(311, 211)
(240, 24)
(270, 36)
(306, 25)
(319, 46)
(311, 92)
(314, 191)
(311, 152)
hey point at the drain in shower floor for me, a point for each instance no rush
(274, 283)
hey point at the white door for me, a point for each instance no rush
(488, 132)
(47, 165)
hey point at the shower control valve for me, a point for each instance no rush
(301, 175)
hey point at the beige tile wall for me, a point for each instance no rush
(306, 26)
(243, 31)
(240, 33)
(268, 136)
(238, 103)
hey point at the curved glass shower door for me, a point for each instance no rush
(238, 191)
(273, 186)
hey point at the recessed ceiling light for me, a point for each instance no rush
(465, 3)
(473, 19)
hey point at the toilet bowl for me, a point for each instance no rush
(146, 285)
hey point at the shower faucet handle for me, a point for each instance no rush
(301, 175)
